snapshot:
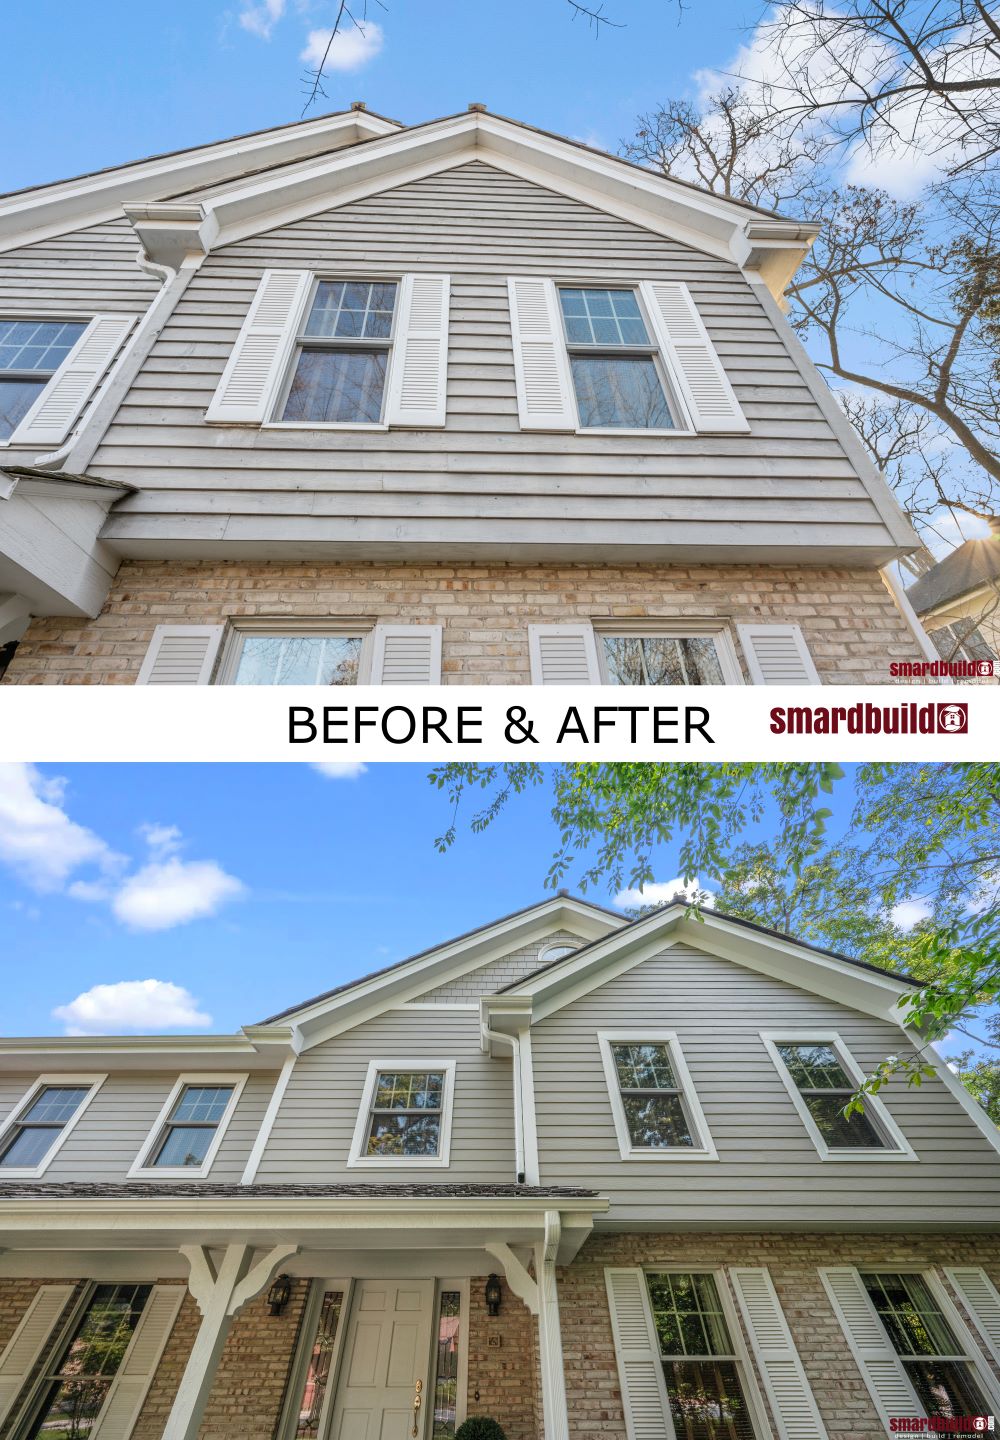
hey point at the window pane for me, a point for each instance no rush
(911, 1315)
(815, 1067)
(644, 1067)
(404, 1134)
(16, 399)
(620, 391)
(701, 660)
(446, 1373)
(318, 1370)
(55, 1105)
(337, 386)
(37, 344)
(842, 1132)
(203, 1103)
(656, 1121)
(947, 1390)
(706, 1400)
(352, 310)
(408, 1091)
(688, 1315)
(29, 1147)
(299, 660)
(623, 660)
(603, 317)
(185, 1145)
(661, 660)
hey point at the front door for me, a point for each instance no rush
(386, 1364)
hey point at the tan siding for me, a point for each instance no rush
(311, 1139)
(768, 1170)
(488, 979)
(480, 225)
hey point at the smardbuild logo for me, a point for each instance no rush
(942, 1425)
(909, 718)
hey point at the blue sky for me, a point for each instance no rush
(133, 80)
(303, 882)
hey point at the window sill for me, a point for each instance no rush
(323, 425)
(621, 430)
(869, 1156)
(170, 1172)
(659, 1156)
(398, 1162)
(20, 1172)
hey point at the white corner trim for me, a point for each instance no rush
(139, 1168)
(705, 1148)
(267, 1124)
(358, 1158)
(33, 1172)
(901, 1149)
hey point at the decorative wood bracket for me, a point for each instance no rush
(236, 1275)
(517, 1277)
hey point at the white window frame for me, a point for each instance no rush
(63, 319)
(897, 1146)
(240, 627)
(741, 1353)
(672, 392)
(462, 1379)
(299, 339)
(423, 1065)
(33, 1172)
(704, 1147)
(142, 1167)
(672, 629)
(546, 957)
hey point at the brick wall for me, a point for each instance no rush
(503, 1380)
(851, 624)
(593, 1391)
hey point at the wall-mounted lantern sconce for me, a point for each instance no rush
(279, 1294)
(493, 1293)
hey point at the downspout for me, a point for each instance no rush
(515, 1047)
(76, 453)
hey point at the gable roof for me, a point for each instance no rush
(965, 570)
(356, 153)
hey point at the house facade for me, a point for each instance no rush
(585, 1176)
(465, 402)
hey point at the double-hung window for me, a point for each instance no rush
(656, 1111)
(702, 1371)
(284, 657)
(618, 374)
(31, 352)
(936, 1363)
(43, 1121)
(342, 355)
(405, 1114)
(820, 1076)
(190, 1127)
(668, 656)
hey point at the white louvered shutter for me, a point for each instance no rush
(644, 1393)
(128, 1389)
(777, 655)
(541, 363)
(979, 1295)
(181, 655)
(871, 1347)
(563, 655)
(28, 1341)
(418, 375)
(406, 655)
(255, 368)
(60, 404)
(698, 371)
(792, 1404)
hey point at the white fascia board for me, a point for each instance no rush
(147, 1052)
(860, 989)
(46, 210)
(707, 222)
(330, 1017)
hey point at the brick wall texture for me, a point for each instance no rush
(850, 622)
(248, 1393)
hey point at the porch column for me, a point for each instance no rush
(554, 1417)
(220, 1293)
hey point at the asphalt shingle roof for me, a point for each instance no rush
(973, 564)
(85, 1190)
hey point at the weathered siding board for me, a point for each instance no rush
(480, 225)
(110, 1134)
(488, 979)
(77, 273)
(768, 1170)
(311, 1139)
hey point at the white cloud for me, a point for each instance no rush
(353, 46)
(910, 912)
(38, 840)
(132, 1005)
(169, 891)
(261, 19)
(340, 769)
(660, 892)
(945, 530)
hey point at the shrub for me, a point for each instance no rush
(480, 1427)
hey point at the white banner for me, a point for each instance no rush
(453, 722)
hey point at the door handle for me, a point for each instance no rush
(418, 1400)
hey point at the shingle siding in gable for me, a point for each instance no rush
(488, 979)
(789, 477)
(768, 1171)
